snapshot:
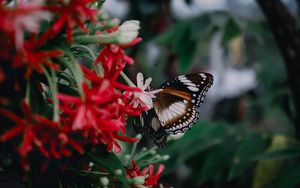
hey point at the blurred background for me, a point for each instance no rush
(247, 133)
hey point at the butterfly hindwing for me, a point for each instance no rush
(177, 104)
(151, 127)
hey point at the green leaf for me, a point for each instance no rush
(250, 146)
(289, 177)
(203, 136)
(111, 163)
(231, 30)
(279, 154)
(218, 159)
(186, 55)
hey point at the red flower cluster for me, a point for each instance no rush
(20, 25)
(101, 114)
(98, 115)
(73, 13)
(39, 132)
(151, 179)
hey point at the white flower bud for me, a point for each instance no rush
(153, 152)
(138, 180)
(118, 172)
(138, 136)
(128, 31)
(104, 181)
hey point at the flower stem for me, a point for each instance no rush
(140, 156)
(98, 68)
(101, 38)
(27, 94)
(88, 172)
(133, 150)
(75, 69)
(52, 80)
(86, 49)
(125, 77)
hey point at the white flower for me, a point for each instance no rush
(128, 31)
(145, 97)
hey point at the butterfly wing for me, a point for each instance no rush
(151, 127)
(176, 106)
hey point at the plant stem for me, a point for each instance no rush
(127, 80)
(27, 95)
(145, 153)
(53, 90)
(102, 38)
(284, 29)
(75, 69)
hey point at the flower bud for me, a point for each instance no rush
(138, 180)
(166, 157)
(128, 31)
(118, 172)
(104, 181)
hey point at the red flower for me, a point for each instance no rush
(40, 133)
(125, 99)
(113, 60)
(88, 111)
(24, 16)
(33, 60)
(151, 179)
(75, 13)
(99, 117)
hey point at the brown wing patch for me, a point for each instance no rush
(173, 91)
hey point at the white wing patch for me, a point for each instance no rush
(187, 124)
(174, 110)
(190, 85)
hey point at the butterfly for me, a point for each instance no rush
(175, 108)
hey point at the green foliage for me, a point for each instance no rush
(110, 163)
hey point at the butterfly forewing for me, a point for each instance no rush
(176, 106)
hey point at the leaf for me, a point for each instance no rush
(231, 30)
(218, 159)
(186, 55)
(288, 178)
(251, 145)
(202, 137)
(279, 154)
(111, 163)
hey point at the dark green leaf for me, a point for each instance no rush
(231, 30)
(279, 154)
(250, 146)
(288, 178)
(218, 159)
(202, 137)
(111, 163)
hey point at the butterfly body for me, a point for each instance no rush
(175, 108)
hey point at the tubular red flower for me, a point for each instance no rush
(100, 116)
(33, 60)
(75, 13)
(151, 178)
(24, 16)
(39, 133)
(113, 60)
